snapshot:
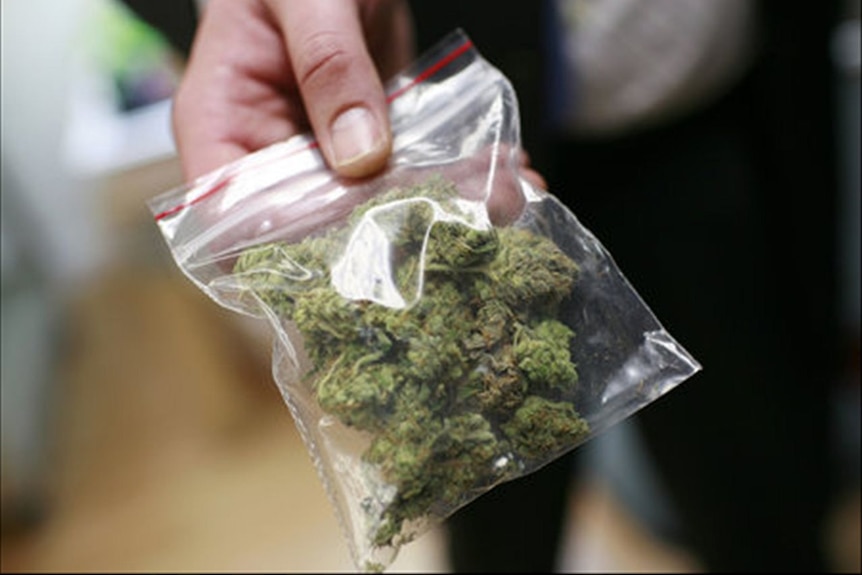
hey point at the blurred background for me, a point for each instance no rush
(141, 430)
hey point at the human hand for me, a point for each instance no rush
(243, 91)
(261, 71)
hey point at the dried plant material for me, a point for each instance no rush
(464, 378)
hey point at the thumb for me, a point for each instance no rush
(341, 89)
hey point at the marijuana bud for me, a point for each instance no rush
(465, 380)
(541, 427)
(542, 354)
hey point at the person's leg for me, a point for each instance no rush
(515, 527)
(742, 447)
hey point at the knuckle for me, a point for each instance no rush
(323, 57)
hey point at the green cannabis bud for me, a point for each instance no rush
(435, 333)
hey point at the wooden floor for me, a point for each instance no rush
(173, 451)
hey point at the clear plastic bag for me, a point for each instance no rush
(439, 329)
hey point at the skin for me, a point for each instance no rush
(261, 71)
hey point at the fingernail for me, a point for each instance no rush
(355, 135)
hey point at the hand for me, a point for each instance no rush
(264, 70)
(261, 71)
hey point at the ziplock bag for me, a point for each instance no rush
(438, 329)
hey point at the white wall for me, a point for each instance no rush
(60, 137)
(39, 65)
